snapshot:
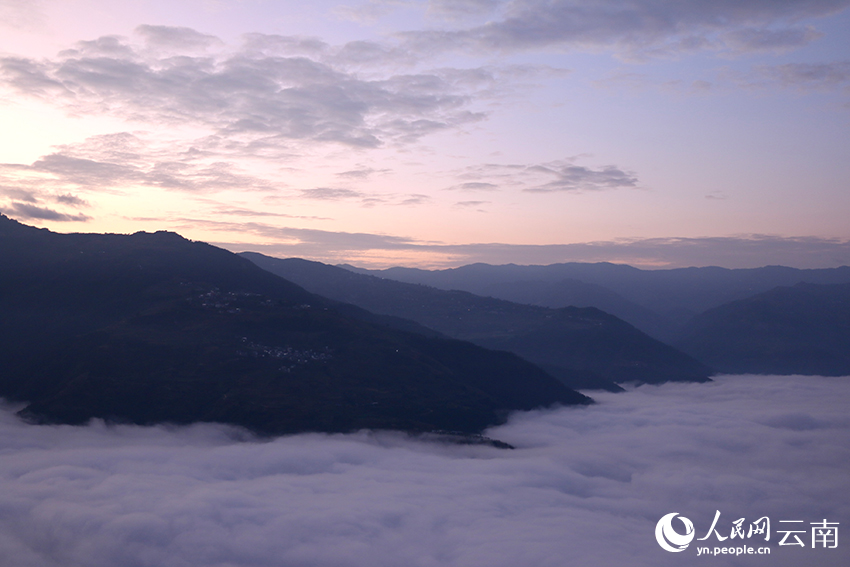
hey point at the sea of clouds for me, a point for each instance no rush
(584, 486)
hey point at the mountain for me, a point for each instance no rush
(584, 347)
(658, 302)
(574, 293)
(802, 329)
(150, 328)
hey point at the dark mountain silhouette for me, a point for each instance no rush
(584, 347)
(804, 329)
(658, 302)
(575, 293)
(148, 328)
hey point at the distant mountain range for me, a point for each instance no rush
(771, 320)
(658, 302)
(150, 328)
(803, 329)
(584, 347)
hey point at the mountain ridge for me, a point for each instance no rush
(152, 328)
(617, 353)
(800, 329)
(666, 299)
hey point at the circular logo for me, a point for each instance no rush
(668, 538)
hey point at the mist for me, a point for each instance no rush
(584, 486)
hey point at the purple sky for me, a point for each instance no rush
(437, 133)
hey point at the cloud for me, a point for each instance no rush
(116, 161)
(383, 251)
(356, 173)
(372, 201)
(353, 54)
(474, 186)
(585, 486)
(367, 12)
(730, 252)
(415, 199)
(477, 205)
(28, 211)
(323, 240)
(270, 44)
(68, 199)
(369, 54)
(554, 176)
(80, 171)
(628, 79)
(208, 111)
(569, 177)
(255, 213)
(246, 95)
(177, 38)
(461, 9)
(828, 77)
(636, 29)
(805, 76)
(340, 194)
(30, 204)
(361, 173)
(19, 194)
(330, 194)
(754, 39)
(638, 81)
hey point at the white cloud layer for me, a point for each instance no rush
(585, 487)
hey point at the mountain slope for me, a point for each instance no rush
(574, 293)
(149, 328)
(665, 299)
(583, 346)
(804, 329)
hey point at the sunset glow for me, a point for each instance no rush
(433, 134)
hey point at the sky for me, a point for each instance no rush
(583, 487)
(437, 133)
